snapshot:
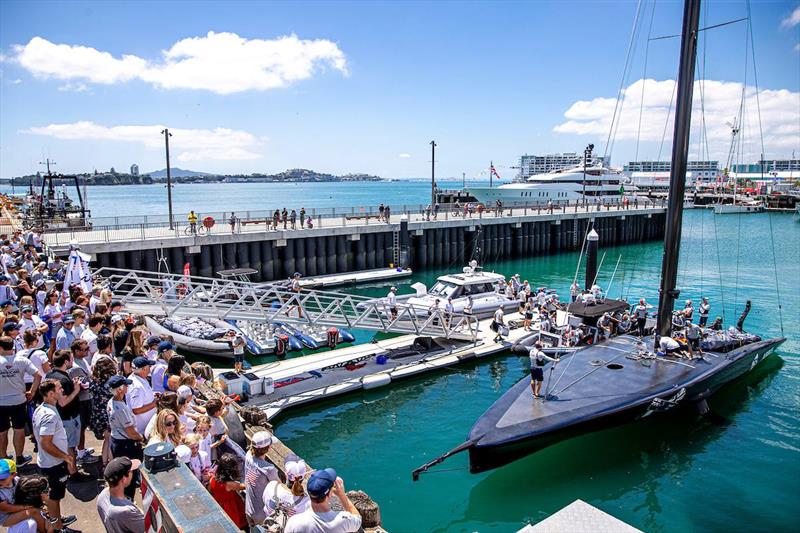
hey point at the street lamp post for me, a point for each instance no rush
(433, 180)
(586, 155)
(167, 135)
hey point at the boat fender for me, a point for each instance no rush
(345, 336)
(381, 359)
(376, 380)
(519, 349)
(281, 344)
(332, 337)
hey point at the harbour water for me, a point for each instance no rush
(119, 200)
(676, 472)
(673, 473)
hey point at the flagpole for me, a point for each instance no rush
(491, 172)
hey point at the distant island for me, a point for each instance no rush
(179, 175)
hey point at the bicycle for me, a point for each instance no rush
(194, 229)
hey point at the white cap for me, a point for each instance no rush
(262, 439)
(117, 318)
(185, 391)
(295, 469)
(183, 453)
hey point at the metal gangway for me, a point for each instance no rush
(154, 293)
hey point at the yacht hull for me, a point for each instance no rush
(496, 442)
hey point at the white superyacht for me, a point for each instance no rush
(602, 185)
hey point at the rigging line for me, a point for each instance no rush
(666, 122)
(624, 75)
(610, 148)
(644, 79)
(775, 267)
(719, 270)
(661, 38)
(761, 135)
(599, 267)
(613, 275)
(755, 80)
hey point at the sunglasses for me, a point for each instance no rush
(169, 424)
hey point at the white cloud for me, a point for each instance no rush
(404, 155)
(221, 144)
(74, 87)
(780, 115)
(797, 47)
(792, 20)
(15, 82)
(222, 63)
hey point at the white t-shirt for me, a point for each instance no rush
(668, 343)
(330, 522)
(54, 312)
(498, 316)
(46, 421)
(157, 375)
(392, 299)
(291, 503)
(38, 358)
(218, 426)
(97, 356)
(91, 339)
(199, 463)
(34, 322)
(12, 379)
(140, 394)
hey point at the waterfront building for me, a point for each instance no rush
(531, 165)
(134, 169)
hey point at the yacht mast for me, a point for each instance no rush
(680, 151)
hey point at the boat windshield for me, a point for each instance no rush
(443, 289)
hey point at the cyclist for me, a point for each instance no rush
(192, 218)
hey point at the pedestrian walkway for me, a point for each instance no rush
(357, 219)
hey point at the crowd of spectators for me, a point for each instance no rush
(74, 360)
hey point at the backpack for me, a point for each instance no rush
(276, 521)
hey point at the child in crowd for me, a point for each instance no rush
(18, 517)
(199, 461)
(203, 428)
(215, 410)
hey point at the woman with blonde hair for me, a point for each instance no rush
(290, 497)
(136, 340)
(106, 296)
(168, 428)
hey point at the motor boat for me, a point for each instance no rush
(486, 290)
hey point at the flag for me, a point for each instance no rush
(78, 272)
(494, 172)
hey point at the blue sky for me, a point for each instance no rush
(364, 87)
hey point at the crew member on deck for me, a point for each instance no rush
(705, 307)
(538, 360)
(671, 346)
(498, 323)
(640, 312)
(688, 312)
(391, 299)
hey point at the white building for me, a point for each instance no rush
(134, 169)
(530, 165)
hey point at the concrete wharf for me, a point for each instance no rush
(358, 240)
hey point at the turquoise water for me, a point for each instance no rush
(673, 473)
(677, 472)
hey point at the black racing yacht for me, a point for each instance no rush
(623, 378)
